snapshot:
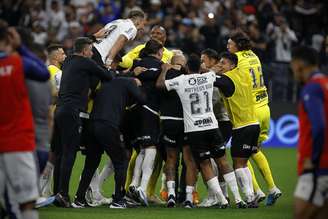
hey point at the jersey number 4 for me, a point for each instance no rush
(195, 105)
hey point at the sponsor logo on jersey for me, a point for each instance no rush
(246, 147)
(205, 121)
(6, 70)
(201, 80)
(192, 81)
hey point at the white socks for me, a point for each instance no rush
(250, 180)
(189, 191)
(137, 168)
(147, 167)
(94, 184)
(243, 181)
(106, 172)
(213, 184)
(230, 178)
(224, 188)
(171, 187)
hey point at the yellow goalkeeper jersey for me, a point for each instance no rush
(127, 60)
(249, 63)
(240, 105)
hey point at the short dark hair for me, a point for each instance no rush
(193, 63)
(151, 48)
(306, 54)
(233, 58)
(211, 53)
(136, 14)
(54, 47)
(3, 30)
(241, 39)
(80, 43)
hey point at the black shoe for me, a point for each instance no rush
(188, 204)
(171, 201)
(118, 204)
(132, 194)
(62, 201)
(252, 204)
(241, 204)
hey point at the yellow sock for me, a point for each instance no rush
(263, 165)
(155, 175)
(129, 173)
(255, 184)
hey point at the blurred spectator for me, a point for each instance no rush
(108, 11)
(258, 40)
(283, 37)
(155, 13)
(210, 31)
(39, 34)
(130, 5)
(324, 56)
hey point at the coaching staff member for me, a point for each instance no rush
(106, 118)
(71, 106)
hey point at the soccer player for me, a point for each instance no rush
(157, 33)
(106, 118)
(148, 118)
(18, 171)
(56, 57)
(238, 99)
(248, 63)
(172, 136)
(108, 43)
(311, 199)
(71, 107)
(200, 125)
(115, 35)
(210, 59)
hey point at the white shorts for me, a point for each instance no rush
(18, 177)
(312, 189)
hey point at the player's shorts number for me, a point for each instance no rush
(195, 106)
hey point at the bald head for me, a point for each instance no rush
(158, 33)
(178, 59)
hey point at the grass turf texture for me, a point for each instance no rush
(283, 166)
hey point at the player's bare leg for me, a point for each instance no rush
(169, 168)
(191, 170)
(212, 181)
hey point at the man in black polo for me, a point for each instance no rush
(71, 106)
(106, 119)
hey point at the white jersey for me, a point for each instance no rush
(195, 92)
(114, 29)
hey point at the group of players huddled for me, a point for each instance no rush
(146, 108)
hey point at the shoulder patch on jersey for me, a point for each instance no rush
(192, 81)
(201, 80)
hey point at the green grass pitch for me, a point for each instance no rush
(283, 166)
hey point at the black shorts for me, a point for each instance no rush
(206, 144)
(172, 133)
(129, 128)
(244, 141)
(147, 127)
(225, 129)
